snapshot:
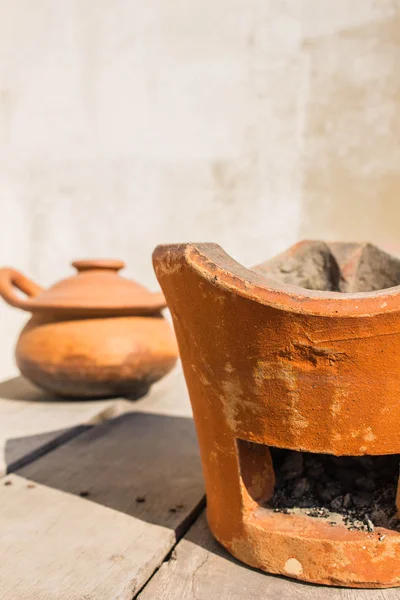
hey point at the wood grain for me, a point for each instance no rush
(33, 423)
(54, 546)
(135, 457)
(107, 506)
(200, 569)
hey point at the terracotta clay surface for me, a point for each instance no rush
(92, 335)
(300, 353)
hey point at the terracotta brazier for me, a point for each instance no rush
(293, 373)
(92, 335)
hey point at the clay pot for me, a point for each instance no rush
(302, 355)
(92, 335)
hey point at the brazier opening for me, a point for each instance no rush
(358, 492)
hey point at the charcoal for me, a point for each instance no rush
(336, 503)
(361, 499)
(301, 488)
(347, 500)
(365, 483)
(362, 490)
(292, 466)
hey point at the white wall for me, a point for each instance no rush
(251, 123)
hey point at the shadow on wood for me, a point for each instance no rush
(32, 423)
(19, 388)
(200, 568)
(20, 451)
(144, 465)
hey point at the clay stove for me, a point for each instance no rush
(293, 370)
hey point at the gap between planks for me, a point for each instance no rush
(33, 423)
(200, 569)
(140, 472)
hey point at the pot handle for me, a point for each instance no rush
(11, 279)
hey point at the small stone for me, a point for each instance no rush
(337, 503)
(301, 488)
(347, 500)
(324, 494)
(379, 517)
(370, 525)
(330, 491)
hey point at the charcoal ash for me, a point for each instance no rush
(358, 492)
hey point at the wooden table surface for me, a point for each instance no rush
(104, 500)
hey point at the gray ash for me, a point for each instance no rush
(360, 490)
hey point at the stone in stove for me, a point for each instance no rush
(336, 267)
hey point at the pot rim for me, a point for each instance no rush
(225, 273)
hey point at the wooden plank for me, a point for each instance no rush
(106, 507)
(142, 467)
(32, 423)
(19, 451)
(200, 569)
(135, 456)
(54, 546)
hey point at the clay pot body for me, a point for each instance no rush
(272, 364)
(92, 335)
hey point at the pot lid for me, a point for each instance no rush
(97, 289)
